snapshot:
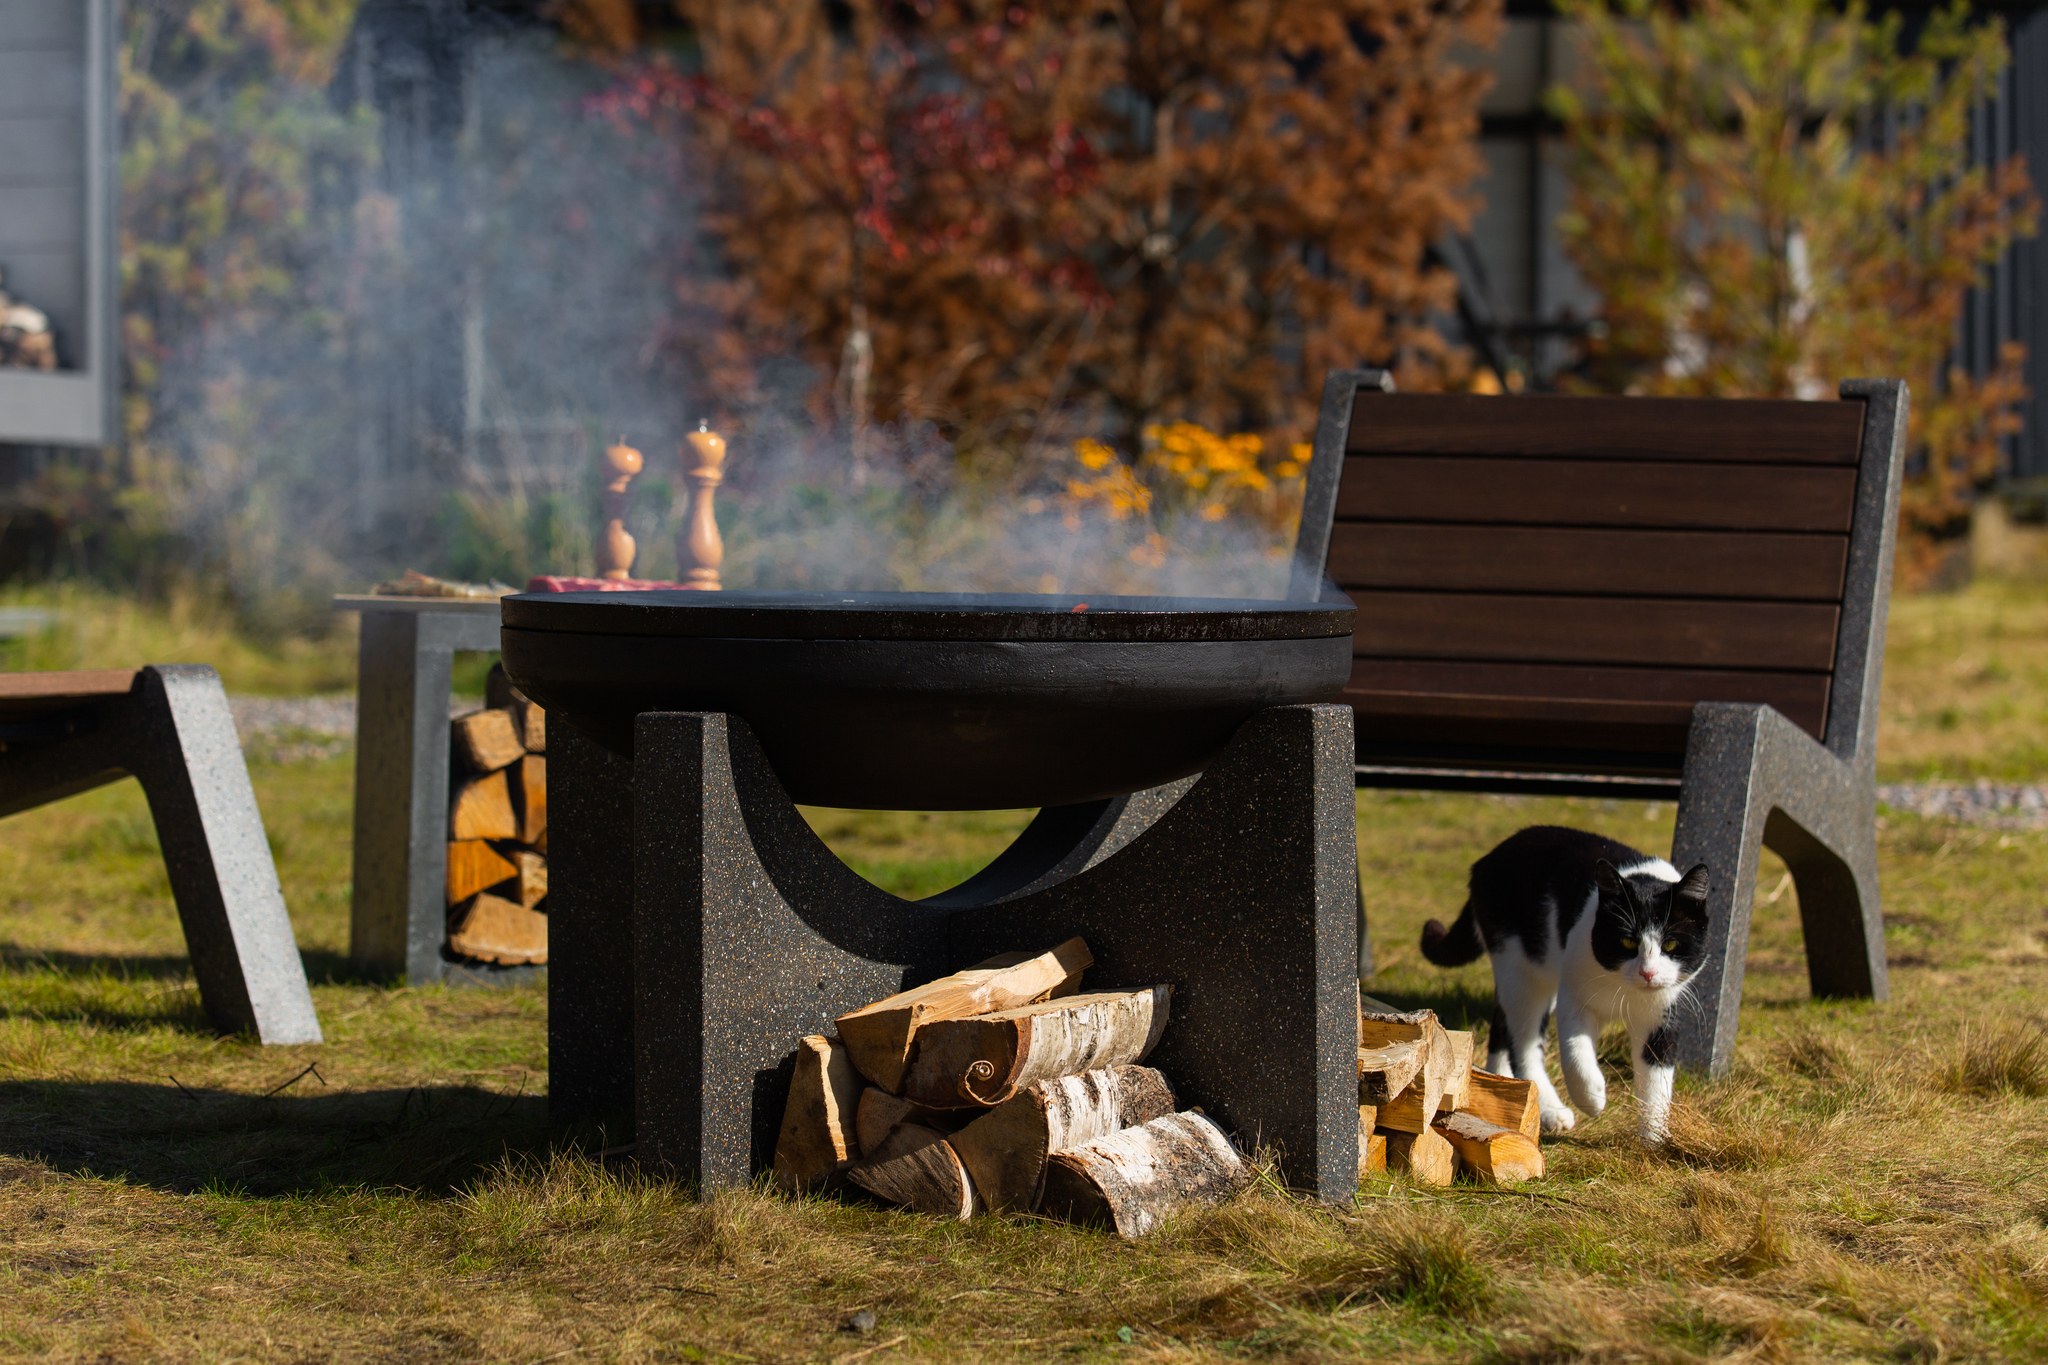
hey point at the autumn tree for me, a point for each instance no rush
(1773, 195)
(1031, 222)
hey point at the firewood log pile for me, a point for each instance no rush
(498, 830)
(1425, 1111)
(1005, 1088)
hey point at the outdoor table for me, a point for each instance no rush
(398, 908)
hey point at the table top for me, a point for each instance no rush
(369, 601)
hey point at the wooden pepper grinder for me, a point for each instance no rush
(615, 545)
(699, 546)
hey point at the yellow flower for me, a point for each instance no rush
(1093, 454)
(1214, 511)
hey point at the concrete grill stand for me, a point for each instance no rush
(699, 927)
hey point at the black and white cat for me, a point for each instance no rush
(1595, 932)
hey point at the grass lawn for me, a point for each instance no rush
(1869, 1182)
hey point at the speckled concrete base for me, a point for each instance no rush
(1239, 888)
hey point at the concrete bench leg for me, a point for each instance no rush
(174, 734)
(1755, 780)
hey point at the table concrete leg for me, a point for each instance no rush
(398, 912)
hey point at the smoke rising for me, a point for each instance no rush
(386, 312)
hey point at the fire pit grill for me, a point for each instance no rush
(935, 701)
(698, 926)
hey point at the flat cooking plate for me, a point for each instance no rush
(935, 701)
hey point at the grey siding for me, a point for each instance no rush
(56, 199)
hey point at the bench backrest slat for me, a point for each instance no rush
(1556, 581)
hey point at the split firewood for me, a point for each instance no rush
(1497, 1155)
(881, 1034)
(1384, 1072)
(1504, 1101)
(533, 876)
(1134, 1179)
(1372, 1146)
(917, 1168)
(483, 809)
(493, 929)
(880, 1111)
(1006, 1149)
(816, 1142)
(959, 1063)
(473, 866)
(1458, 1084)
(533, 799)
(533, 727)
(1426, 1157)
(488, 739)
(1412, 1108)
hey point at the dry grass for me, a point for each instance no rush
(1865, 1184)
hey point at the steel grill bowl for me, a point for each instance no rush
(934, 701)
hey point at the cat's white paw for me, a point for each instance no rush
(1653, 1129)
(1588, 1089)
(1558, 1120)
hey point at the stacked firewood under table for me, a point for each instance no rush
(498, 831)
(1425, 1111)
(1003, 1088)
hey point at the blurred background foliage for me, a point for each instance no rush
(984, 295)
(1773, 195)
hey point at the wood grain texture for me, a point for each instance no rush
(1755, 430)
(816, 1141)
(1565, 492)
(1524, 559)
(1409, 686)
(1596, 630)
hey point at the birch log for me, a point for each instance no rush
(1426, 1157)
(964, 1063)
(1497, 1155)
(880, 1035)
(1134, 1179)
(816, 1142)
(489, 740)
(493, 929)
(473, 866)
(1416, 1105)
(1006, 1149)
(1504, 1101)
(880, 1111)
(483, 810)
(1384, 1072)
(917, 1168)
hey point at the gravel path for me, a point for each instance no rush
(1999, 805)
(283, 729)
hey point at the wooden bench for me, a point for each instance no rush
(169, 727)
(1631, 597)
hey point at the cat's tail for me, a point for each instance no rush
(1455, 946)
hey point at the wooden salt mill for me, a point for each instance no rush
(699, 546)
(615, 545)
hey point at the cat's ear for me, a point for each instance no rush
(1693, 887)
(1609, 881)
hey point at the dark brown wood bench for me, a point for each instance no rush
(169, 727)
(1631, 597)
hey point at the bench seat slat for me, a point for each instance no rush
(1762, 430)
(24, 696)
(1553, 560)
(1593, 493)
(1771, 636)
(1409, 687)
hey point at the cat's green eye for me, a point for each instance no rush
(1670, 945)
(1629, 944)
